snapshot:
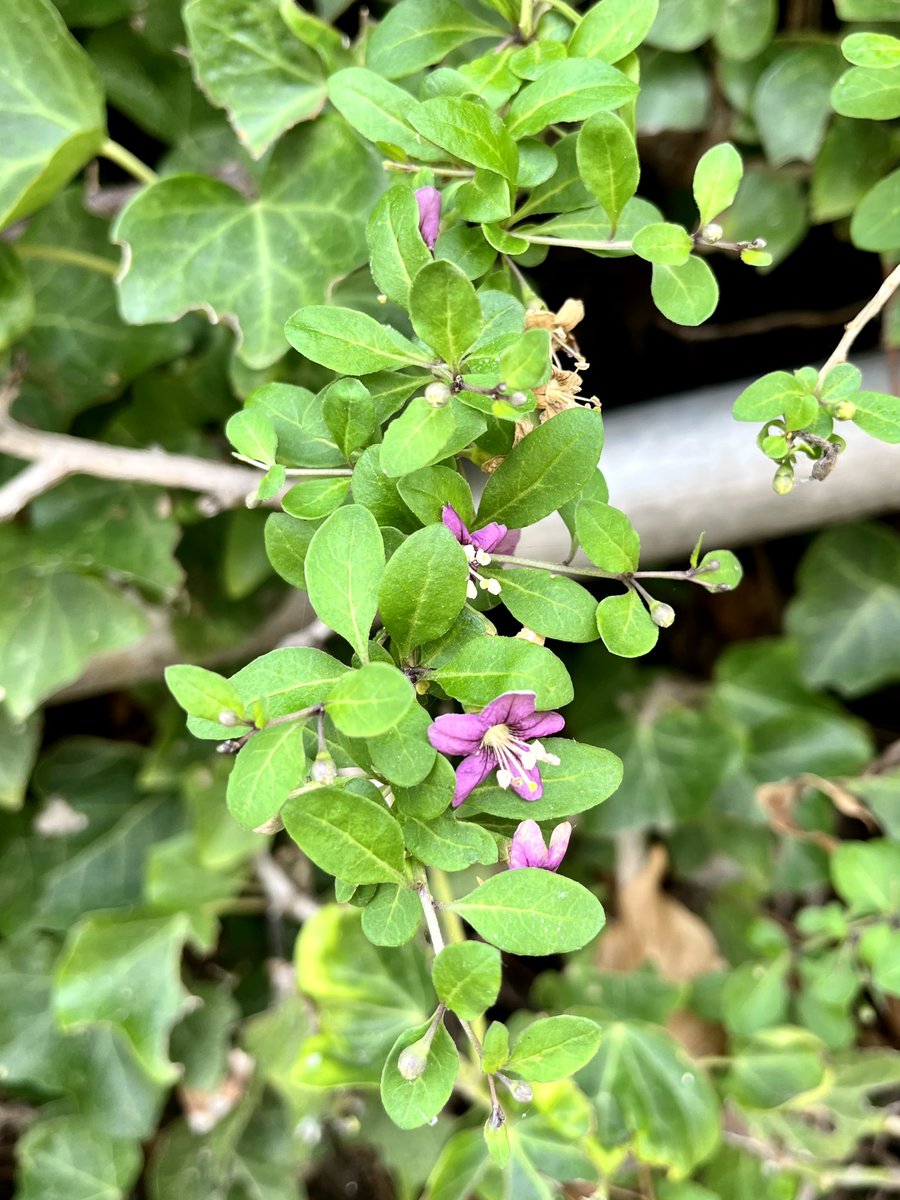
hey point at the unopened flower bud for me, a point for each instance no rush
(784, 480)
(759, 244)
(712, 233)
(522, 1091)
(323, 769)
(437, 394)
(844, 410)
(421, 687)
(413, 1060)
(662, 615)
(228, 717)
(517, 399)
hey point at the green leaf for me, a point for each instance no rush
(414, 1102)
(551, 605)
(16, 298)
(880, 948)
(343, 571)
(608, 162)
(315, 499)
(586, 776)
(663, 243)
(846, 613)
(554, 1047)
(393, 915)
(466, 977)
(349, 341)
(612, 28)
(533, 912)
(18, 749)
(495, 1047)
(379, 110)
(313, 191)
(469, 132)
(722, 578)
(445, 311)
(349, 413)
(876, 221)
(443, 841)
(348, 836)
(295, 414)
(404, 754)
(396, 249)
(423, 587)
(686, 294)
(69, 1156)
(483, 670)
(683, 24)
(51, 108)
(770, 205)
(625, 625)
(546, 469)
(878, 50)
(852, 160)
(368, 702)
(427, 491)
(866, 875)
(607, 537)
(252, 434)
(756, 995)
(461, 1166)
(745, 28)
(125, 971)
(675, 94)
(652, 1098)
(791, 103)
(776, 395)
(423, 434)
(525, 363)
(568, 91)
(247, 61)
(484, 198)
(775, 1066)
(717, 178)
(410, 37)
(870, 93)
(203, 693)
(265, 772)
(879, 415)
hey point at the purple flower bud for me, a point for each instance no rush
(429, 202)
(529, 849)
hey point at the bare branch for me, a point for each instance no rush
(854, 327)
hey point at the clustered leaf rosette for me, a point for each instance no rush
(497, 739)
(479, 546)
(528, 848)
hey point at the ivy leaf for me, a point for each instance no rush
(16, 298)
(51, 107)
(247, 61)
(396, 248)
(69, 1156)
(686, 294)
(469, 132)
(568, 91)
(343, 569)
(533, 912)
(466, 977)
(348, 836)
(547, 468)
(613, 28)
(846, 613)
(410, 37)
(485, 669)
(125, 971)
(553, 1047)
(267, 769)
(367, 702)
(314, 191)
(625, 625)
(791, 102)
(717, 178)
(414, 1102)
(444, 310)
(423, 587)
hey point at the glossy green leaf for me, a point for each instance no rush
(410, 37)
(396, 249)
(370, 701)
(625, 625)
(663, 243)
(267, 769)
(347, 835)
(586, 775)
(445, 311)
(879, 50)
(315, 187)
(686, 294)
(414, 1102)
(607, 537)
(870, 93)
(612, 28)
(393, 915)
(776, 395)
(253, 435)
(51, 108)
(469, 132)
(876, 221)
(343, 570)
(530, 911)
(482, 671)
(247, 61)
(203, 693)
(423, 587)
(466, 977)
(717, 178)
(791, 103)
(568, 91)
(554, 1047)
(878, 414)
(551, 605)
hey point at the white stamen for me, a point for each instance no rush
(471, 590)
(482, 556)
(528, 760)
(469, 552)
(493, 586)
(504, 778)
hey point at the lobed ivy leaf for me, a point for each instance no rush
(532, 912)
(70, 1156)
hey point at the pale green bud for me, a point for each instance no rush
(229, 718)
(784, 480)
(522, 1091)
(663, 615)
(414, 1059)
(712, 233)
(323, 769)
(437, 394)
(517, 399)
(844, 410)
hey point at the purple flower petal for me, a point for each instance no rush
(454, 523)
(540, 724)
(559, 843)
(531, 787)
(490, 537)
(429, 202)
(457, 733)
(512, 708)
(528, 848)
(470, 772)
(509, 543)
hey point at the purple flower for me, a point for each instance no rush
(429, 202)
(529, 849)
(479, 546)
(496, 739)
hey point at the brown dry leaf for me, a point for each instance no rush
(778, 800)
(204, 1110)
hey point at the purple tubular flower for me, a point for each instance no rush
(429, 202)
(529, 849)
(496, 740)
(479, 546)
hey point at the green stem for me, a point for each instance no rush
(126, 160)
(575, 243)
(526, 18)
(557, 568)
(451, 172)
(569, 13)
(305, 472)
(72, 258)
(443, 893)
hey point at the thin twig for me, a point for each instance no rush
(283, 897)
(855, 326)
(434, 929)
